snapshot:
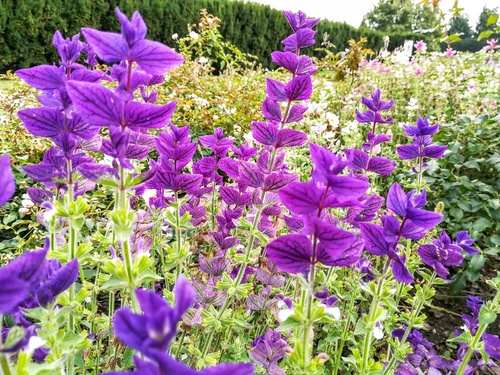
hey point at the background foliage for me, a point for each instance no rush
(27, 26)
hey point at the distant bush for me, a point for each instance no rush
(26, 27)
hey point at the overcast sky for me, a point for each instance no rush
(352, 11)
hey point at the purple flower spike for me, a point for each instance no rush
(299, 20)
(408, 207)
(150, 333)
(7, 183)
(268, 349)
(153, 57)
(376, 104)
(20, 276)
(439, 258)
(60, 280)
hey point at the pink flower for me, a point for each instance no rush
(492, 45)
(450, 52)
(418, 71)
(421, 46)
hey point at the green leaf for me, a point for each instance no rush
(14, 336)
(9, 218)
(289, 324)
(485, 34)
(492, 19)
(472, 164)
(124, 223)
(127, 358)
(486, 316)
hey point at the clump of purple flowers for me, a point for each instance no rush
(151, 333)
(444, 253)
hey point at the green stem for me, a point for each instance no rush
(178, 234)
(371, 318)
(413, 318)
(307, 335)
(343, 339)
(4, 364)
(180, 342)
(111, 311)
(475, 341)
(128, 268)
(71, 255)
(471, 349)
(239, 277)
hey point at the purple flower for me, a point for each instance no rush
(462, 239)
(439, 258)
(299, 20)
(7, 183)
(217, 142)
(21, 276)
(131, 45)
(491, 345)
(422, 140)
(377, 243)
(360, 160)
(268, 349)
(151, 333)
(302, 38)
(295, 253)
(58, 279)
(408, 207)
(375, 105)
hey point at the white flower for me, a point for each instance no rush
(148, 193)
(248, 138)
(332, 310)
(194, 35)
(203, 60)
(48, 215)
(376, 149)
(26, 202)
(284, 314)
(412, 104)
(329, 135)
(318, 129)
(175, 36)
(378, 333)
(24, 211)
(35, 343)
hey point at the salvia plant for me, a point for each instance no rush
(221, 259)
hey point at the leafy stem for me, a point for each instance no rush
(367, 341)
(413, 319)
(474, 345)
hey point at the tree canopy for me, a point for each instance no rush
(482, 24)
(400, 15)
(460, 25)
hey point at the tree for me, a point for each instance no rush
(460, 25)
(399, 16)
(482, 24)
